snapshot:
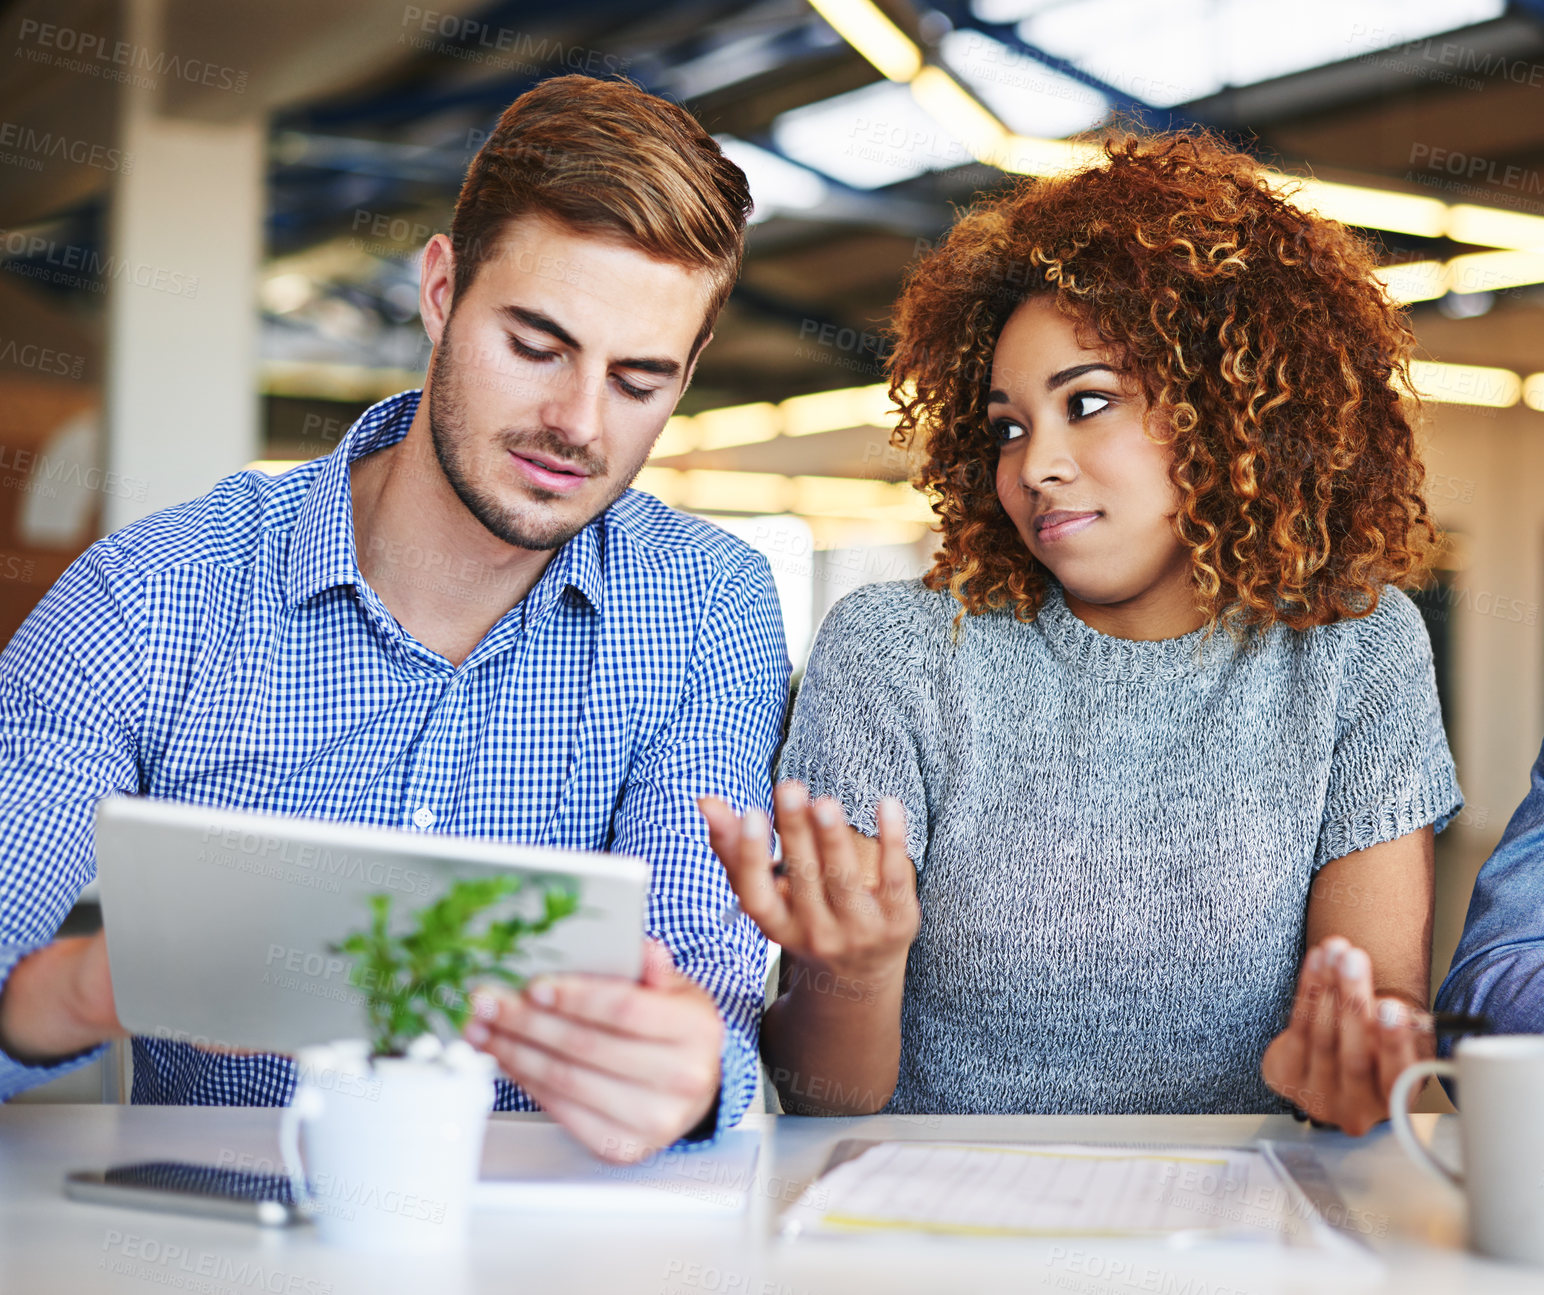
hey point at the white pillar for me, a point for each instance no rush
(185, 241)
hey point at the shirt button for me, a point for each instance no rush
(423, 816)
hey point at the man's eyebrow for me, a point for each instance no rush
(666, 368)
(662, 365)
(541, 323)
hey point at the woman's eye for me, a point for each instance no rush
(1005, 430)
(1078, 407)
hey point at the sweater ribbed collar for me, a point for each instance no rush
(1103, 656)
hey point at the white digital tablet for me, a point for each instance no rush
(221, 923)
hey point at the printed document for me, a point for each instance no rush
(1176, 1195)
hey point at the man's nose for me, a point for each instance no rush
(572, 406)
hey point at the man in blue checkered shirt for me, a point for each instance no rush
(460, 621)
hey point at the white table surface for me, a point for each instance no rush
(50, 1244)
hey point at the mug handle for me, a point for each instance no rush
(1399, 1115)
(305, 1105)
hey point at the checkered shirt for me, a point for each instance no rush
(228, 652)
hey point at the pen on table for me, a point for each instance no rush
(1391, 1011)
(1450, 1023)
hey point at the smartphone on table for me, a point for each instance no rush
(177, 1187)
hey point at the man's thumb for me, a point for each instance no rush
(659, 969)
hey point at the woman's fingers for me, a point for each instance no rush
(801, 859)
(1321, 1075)
(1299, 1036)
(1308, 980)
(841, 872)
(756, 885)
(896, 885)
(1340, 1054)
(1391, 1021)
(1358, 1103)
(723, 828)
(1285, 1063)
(1399, 1043)
(839, 902)
(744, 847)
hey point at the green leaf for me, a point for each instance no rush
(425, 973)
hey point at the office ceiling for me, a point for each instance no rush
(378, 107)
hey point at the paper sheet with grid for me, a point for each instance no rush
(1052, 1190)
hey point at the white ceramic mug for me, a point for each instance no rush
(392, 1147)
(1501, 1129)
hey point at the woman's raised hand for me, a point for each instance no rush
(1340, 1054)
(845, 903)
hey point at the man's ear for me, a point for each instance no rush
(436, 287)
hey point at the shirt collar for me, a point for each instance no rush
(577, 565)
(322, 553)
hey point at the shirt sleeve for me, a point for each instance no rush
(70, 696)
(1498, 969)
(859, 718)
(720, 742)
(1391, 772)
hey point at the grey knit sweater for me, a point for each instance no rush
(1114, 839)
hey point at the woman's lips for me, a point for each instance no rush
(1062, 529)
(539, 474)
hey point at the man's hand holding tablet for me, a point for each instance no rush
(626, 1068)
(627, 1064)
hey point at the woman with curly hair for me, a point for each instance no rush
(1128, 804)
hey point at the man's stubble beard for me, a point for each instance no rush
(447, 431)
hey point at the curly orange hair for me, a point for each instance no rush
(1273, 363)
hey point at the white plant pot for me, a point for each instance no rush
(392, 1146)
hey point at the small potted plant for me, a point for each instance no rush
(394, 1124)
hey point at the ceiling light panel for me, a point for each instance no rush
(1028, 96)
(1466, 384)
(868, 138)
(867, 28)
(1187, 49)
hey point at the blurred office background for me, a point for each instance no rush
(211, 218)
